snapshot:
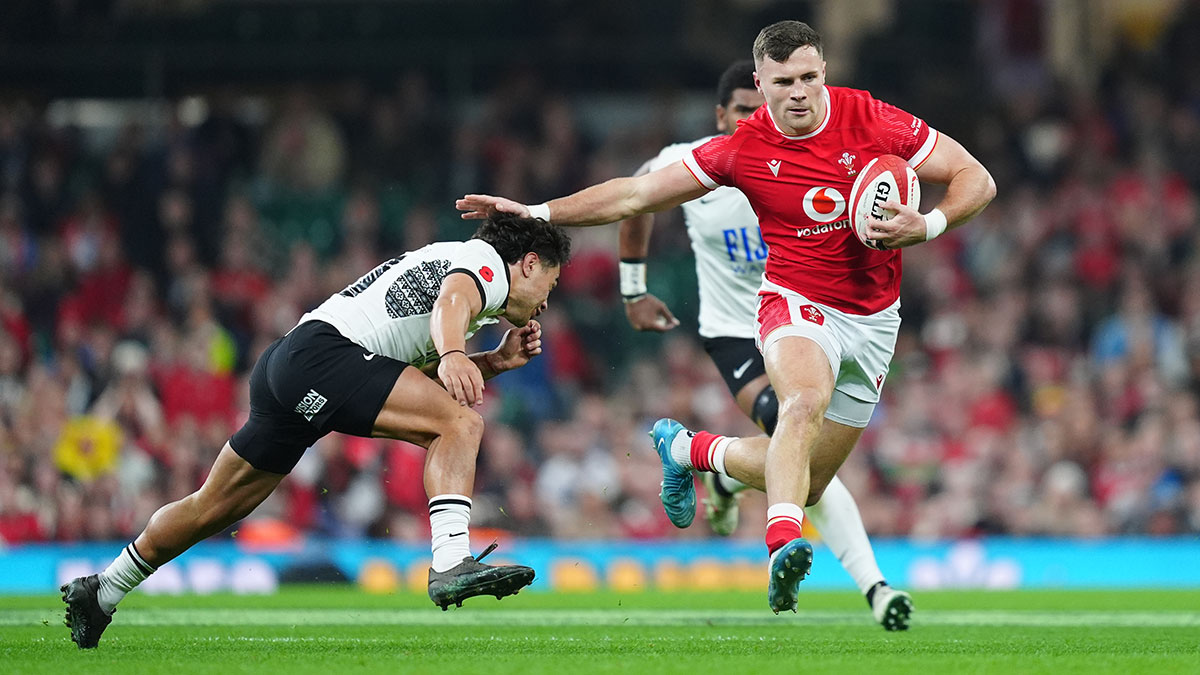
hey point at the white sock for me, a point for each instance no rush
(837, 519)
(448, 519)
(785, 522)
(123, 575)
(681, 449)
(786, 511)
(718, 455)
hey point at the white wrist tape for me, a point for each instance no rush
(935, 224)
(633, 279)
(540, 211)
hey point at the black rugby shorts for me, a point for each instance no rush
(737, 359)
(306, 384)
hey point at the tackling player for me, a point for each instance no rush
(730, 255)
(368, 362)
(828, 311)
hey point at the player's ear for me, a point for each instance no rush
(720, 113)
(530, 261)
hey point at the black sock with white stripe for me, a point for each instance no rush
(123, 575)
(448, 519)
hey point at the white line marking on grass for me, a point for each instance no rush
(605, 617)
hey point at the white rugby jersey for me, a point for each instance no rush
(729, 249)
(387, 310)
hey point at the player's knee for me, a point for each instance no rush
(475, 425)
(466, 425)
(765, 411)
(803, 407)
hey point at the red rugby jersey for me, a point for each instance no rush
(799, 187)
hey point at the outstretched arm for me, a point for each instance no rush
(633, 234)
(607, 202)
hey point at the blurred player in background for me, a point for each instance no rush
(386, 357)
(730, 255)
(828, 311)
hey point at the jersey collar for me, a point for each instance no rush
(814, 132)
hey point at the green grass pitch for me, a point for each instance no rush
(334, 630)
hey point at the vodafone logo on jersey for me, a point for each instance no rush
(486, 273)
(824, 204)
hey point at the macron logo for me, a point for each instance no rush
(774, 165)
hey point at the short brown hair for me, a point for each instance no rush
(779, 40)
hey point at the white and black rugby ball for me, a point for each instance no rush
(885, 178)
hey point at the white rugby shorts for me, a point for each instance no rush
(859, 347)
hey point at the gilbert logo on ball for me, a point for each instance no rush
(885, 178)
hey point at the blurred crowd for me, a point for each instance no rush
(1044, 383)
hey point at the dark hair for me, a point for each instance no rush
(739, 75)
(513, 237)
(780, 39)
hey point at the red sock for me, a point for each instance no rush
(702, 447)
(783, 525)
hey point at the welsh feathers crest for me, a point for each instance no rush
(847, 161)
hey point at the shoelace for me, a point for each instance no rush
(491, 547)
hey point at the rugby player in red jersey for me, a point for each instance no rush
(730, 257)
(828, 311)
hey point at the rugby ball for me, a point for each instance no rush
(885, 178)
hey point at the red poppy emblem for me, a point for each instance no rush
(811, 313)
(486, 273)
